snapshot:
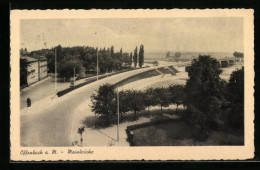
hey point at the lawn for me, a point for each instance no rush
(180, 133)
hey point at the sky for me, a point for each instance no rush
(156, 34)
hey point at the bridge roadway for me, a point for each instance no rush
(49, 123)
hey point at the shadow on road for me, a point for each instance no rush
(106, 135)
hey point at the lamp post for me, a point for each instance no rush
(55, 71)
(117, 115)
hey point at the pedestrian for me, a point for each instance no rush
(28, 102)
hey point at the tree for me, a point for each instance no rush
(161, 97)
(177, 56)
(168, 54)
(204, 89)
(123, 103)
(131, 60)
(59, 53)
(66, 69)
(21, 52)
(135, 101)
(125, 59)
(235, 96)
(141, 56)
(238, 54)
(135, 57)
(177, 93)
(121, 52)
(23, 72)
(104, 102)
(112, 51)
(50, 62)
(149, 99)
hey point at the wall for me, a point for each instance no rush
(42, 69)
(32, 72)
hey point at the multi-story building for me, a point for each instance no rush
(42, 68)
(36, 69)
(32, 70)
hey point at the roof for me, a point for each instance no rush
(41, 57)
(29, 59)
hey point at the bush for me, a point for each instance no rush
(66, 69)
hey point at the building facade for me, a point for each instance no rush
(42, 68)
(36, 69)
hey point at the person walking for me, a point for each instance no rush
(29, 102)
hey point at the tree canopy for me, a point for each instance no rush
(135, 57)
(141, 56)
(205, 91)
(104, 102)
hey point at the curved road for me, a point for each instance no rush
(49, 123)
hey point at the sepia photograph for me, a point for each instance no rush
(131, 82)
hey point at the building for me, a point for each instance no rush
(42, 63)
(36, 69)
(32, 69)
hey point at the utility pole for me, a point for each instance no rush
(117, 115)
(97, 64)
(55, 71)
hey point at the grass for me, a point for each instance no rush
(99, 122)
(180, 133)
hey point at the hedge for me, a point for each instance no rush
(130, 128)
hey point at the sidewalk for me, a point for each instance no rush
(34, 84)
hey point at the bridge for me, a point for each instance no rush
(225, 62)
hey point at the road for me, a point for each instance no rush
(50, 124)
(44, 89)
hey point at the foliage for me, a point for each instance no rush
(135, 57)
(123, 105)
(235, 96)
(104, 102)
(149, 99)
(131, 59)
(177, 93)
(162, 97)
(205, 92)
(50, 62)
(23, 72)
(238, 54)
(59, 55)
(177, 55)
(135, 101)
(168, 54)
(66, 70)
(108, 59)
(141, 56)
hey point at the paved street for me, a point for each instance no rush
(50, 123)
(45, 89)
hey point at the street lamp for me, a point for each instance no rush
(55, 71)
(117, 114)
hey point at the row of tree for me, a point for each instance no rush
(85, 59)
(210, 101)
(104, 103)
